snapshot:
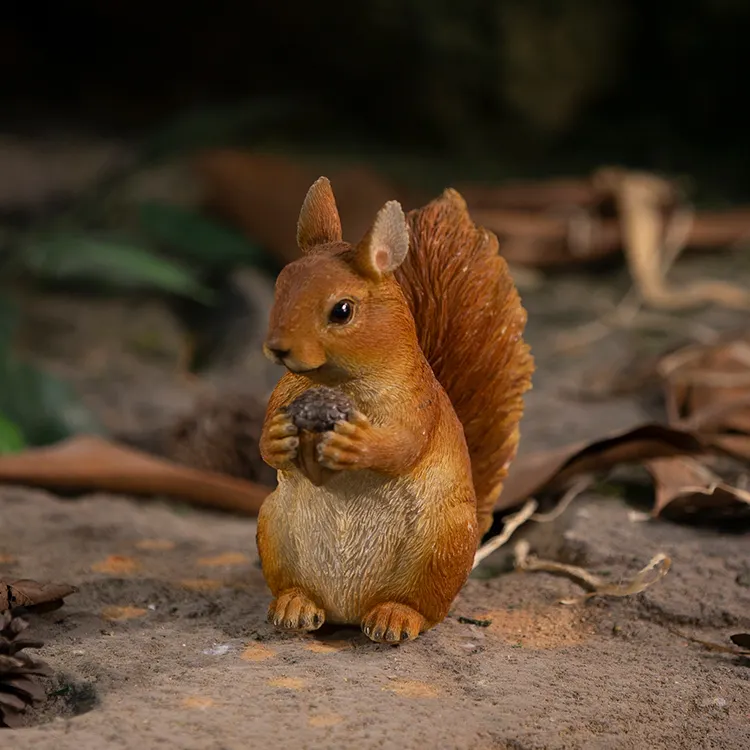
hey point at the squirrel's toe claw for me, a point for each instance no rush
(282, 452)
(295, 611)
(338, 452)
(392, 623)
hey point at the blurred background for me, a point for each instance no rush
(153, 158)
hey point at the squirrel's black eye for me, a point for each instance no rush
(342, 311)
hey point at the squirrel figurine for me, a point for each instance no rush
(420, 328)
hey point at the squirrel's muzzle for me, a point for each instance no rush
(276, 352)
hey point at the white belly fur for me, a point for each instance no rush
(350, 538)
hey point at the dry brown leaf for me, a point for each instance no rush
(86, 462)
(707, 388)
(31, 594)
(533, 194)
(262, 194)
(685, 487)
(529, 474)
(642, 200)
(555, 223)
(655, 570)
(735, 445)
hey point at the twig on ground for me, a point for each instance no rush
(580, 486)
(656, 569)
(709, 644)
(512, 522)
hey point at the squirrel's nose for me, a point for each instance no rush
(280, 353)
(277, 351)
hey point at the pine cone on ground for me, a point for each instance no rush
(19, 672)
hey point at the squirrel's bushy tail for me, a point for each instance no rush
(470, 325)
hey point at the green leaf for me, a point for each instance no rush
(110, 262)
(11, 438)
(197, 238)
(44, 408)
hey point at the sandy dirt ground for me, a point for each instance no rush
(165, 645)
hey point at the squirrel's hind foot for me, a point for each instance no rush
(293, 610)
(393, 623)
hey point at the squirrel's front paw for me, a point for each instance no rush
(281, 442)
(347, 446)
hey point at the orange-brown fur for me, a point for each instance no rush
(389, 539)
(470, 326)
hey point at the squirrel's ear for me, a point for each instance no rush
(384, 247)
(319, 221)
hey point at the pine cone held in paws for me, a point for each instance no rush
(19, 672)
(316, 411)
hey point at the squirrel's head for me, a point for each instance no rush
(338, 312)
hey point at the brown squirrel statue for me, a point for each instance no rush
(413, 340)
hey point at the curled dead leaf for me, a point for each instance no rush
(707, 389)
(643, 202)
(686, 488)
(532, 473)
(31, 594)
(655, 570)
